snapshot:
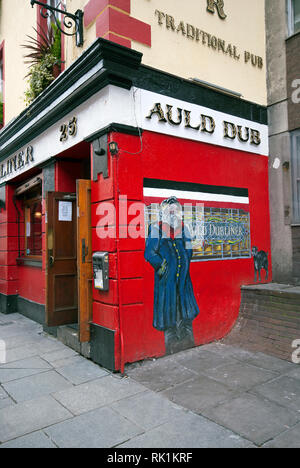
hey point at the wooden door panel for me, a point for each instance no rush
(84, 256)
(61, 260)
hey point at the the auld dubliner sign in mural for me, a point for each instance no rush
(215, 232)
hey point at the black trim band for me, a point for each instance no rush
(190, 187)
(173, 86)
(114, 127)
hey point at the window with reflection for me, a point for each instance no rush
(33, 228)
(294, 16)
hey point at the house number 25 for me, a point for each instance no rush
(69, 129)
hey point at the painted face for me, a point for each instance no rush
(172, 215)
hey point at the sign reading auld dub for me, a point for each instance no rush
(203, 123)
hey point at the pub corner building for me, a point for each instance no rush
(132, 197)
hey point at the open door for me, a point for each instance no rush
(84, 256)
(61, 259)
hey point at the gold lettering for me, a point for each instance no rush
(214, 42)
(187, 118)
(221, 45)
(260, 62)
(170, 116)
(20, 159)
(219, 4)
(254, 60)
(235, 53)
(170, 22)
(255, 138)
(160, 15)
(3, 172)
(204, 36)
(29, 155)
(247, 56)
(212, 123)
(229, 50)
(158, 111)
(227, 126)
(181, 27)
(240, 134)
(190, 31)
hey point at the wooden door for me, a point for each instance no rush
(61, 259)
(84, 256)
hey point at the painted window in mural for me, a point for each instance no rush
(218, 232)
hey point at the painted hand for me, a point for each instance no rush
(163, 268)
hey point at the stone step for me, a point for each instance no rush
(68, 335)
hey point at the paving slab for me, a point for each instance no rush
(5, 402)
(288, 439)
(68, 362)
(30, 416)
(147, 409)
(255, 418)
(98, 393)
(36, 386)
(11, 317)
(233, 352)
(199, 393)
(263, 361)
(34, 362)
(8, 374)
(46, 345)
(30, 441)
(3, 393)
(101, 428)
(160, 374)
(81, 372)
(285, 391)
(22, 339)
(240, 376)
(295, 373)
(20, 352)
(199, 359)
(188, 431)
(58, 355)
(8, 330)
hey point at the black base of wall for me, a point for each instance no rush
(8, 304)
(103, 346)
(31, 310)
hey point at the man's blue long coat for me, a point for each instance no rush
(177, 252)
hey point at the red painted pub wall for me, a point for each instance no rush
(128, 306)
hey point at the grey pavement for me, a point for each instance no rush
(214, 396)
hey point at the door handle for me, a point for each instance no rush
(51, 261)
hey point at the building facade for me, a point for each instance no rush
(283, 58)
(135, 186)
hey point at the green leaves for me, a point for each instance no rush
(45, 54)
(41, 75)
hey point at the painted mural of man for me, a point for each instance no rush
(169, 251)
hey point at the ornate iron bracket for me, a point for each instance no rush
(69, 20)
